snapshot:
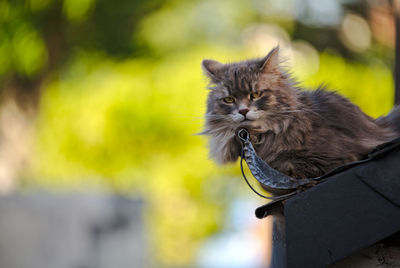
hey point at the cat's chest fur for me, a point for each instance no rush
(305, 157)
(315, 140)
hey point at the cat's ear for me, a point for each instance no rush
(212, 69)
(270, 63)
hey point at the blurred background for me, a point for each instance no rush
(101, 100)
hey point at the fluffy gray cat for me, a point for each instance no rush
(298, 132)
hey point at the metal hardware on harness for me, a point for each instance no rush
(268, 177)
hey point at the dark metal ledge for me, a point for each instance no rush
(352, 210)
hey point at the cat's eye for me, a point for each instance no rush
(228, 100)
(255, 95)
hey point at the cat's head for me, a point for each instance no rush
(255, 94)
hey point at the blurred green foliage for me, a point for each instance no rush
(36, 34)
(368, 86)
(123, 96)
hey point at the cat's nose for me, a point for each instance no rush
(243, 111)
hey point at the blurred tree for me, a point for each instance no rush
(37, 38)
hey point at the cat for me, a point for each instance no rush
(301, 133)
